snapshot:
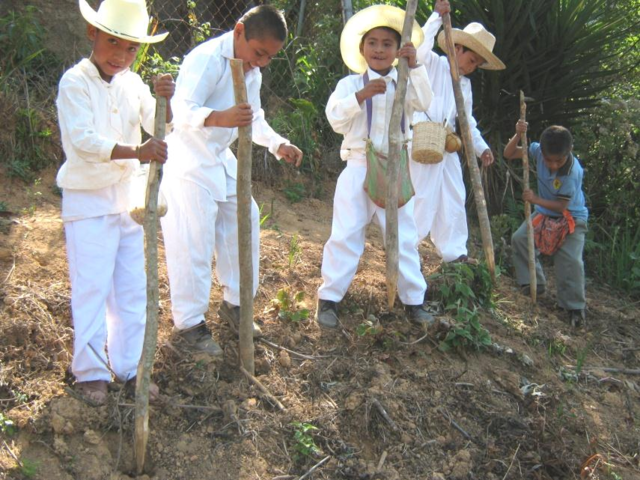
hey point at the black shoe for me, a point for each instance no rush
(231, 314)
(327, 314)
(540, 290)
(199, 340)
(418, 315)
(577, 317)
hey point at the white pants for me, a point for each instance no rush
(352, 212)
(195, 228)
(439, 205)
(108, 295)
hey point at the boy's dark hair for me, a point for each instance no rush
(264, 21)
(556, 140)
(388, 29)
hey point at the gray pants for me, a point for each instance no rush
(567, 261)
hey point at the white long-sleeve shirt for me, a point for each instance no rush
(201, 154)
(349, 118)
(444, 102)
(94, 116)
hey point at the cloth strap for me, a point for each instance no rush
(369, 103)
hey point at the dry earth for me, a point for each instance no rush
(515, 411)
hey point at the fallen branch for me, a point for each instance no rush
(456, 426)
(262, 388)
(376, 403)
(381, 462)
(13, 454)
(297, 354)
(208, 408)
(511, 464)
(315, 467)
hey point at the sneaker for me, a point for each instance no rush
(418, 315)
(231, 314)
(577, 317)
(199, 340)
(540, 290)
(327, 314)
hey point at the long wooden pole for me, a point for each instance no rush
(396, 139)
(150, 225)
(467, 141)
(533, 286)
(244, 225)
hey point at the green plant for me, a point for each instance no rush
(264, 216)
(290, 306)
(33, 194)
(6, 425)
(294, 191)
(369, 328)
(304, 444)
(295, 250)
(29, 468)
(556, 348)
(581, 357)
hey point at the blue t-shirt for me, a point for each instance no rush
(565, 184)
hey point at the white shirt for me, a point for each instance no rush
(94, 116)
(349, 118)
(201, 154)
(444, 102)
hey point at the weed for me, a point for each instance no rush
(304, 444)
(556, 348)
(33, 194)
(369, 328)
(295, 191)
(4, 207)
(294, 251)
(264, 216)
(289, 307)
(581, 357)
(29, 468)
(6, 425)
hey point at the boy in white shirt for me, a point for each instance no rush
(200, 181)
(360, 109)
(101, 106)
(440, 191)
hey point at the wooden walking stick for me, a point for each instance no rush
(150, 225)
(396, 139)
(244, 225)
(533, 286)
(467, 141)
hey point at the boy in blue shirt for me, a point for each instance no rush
(559, 195)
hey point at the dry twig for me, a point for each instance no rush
(262, 388)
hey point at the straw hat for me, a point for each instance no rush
(368, 19)
(126, 19)
(477, 38)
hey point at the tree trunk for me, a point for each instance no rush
(467, 141)
(244, 225)
(533, 286)
(150, 225)
(396, 139)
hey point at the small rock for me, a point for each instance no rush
(526, 360)
(91, 437)
(249, 404)
(284, 359)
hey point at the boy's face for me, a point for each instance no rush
(111, 55)
(554, 162)
(467, 61)
(379, 47)
(257, 52)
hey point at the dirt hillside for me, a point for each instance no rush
(374, 400)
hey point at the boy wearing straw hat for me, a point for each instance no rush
(360, 109)
(101, 106)
(200, 181)
(440, 190)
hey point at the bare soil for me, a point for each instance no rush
(387, 406)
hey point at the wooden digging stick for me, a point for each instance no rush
(533, 286)
(150, 225)
(244, 225)
(396, 138)
(476, 180)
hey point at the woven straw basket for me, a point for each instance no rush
(428, 142)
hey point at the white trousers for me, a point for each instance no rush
(439, 205)
(108, 295)
(352, 212)
(195, 228)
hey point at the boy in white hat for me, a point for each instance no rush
(101, 106)
(360, 109)
(440, 192)
(200, 181)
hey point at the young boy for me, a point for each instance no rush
(200, 181)
(360, 109)
(440, 191)
(101, 105)
(559, 195)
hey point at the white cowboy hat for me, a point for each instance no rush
(368, 19)
(477, 38)
(126, 19)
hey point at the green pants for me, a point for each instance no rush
(567, 262)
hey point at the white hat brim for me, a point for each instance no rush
(368, 19)
(465, 39)
(90, 15)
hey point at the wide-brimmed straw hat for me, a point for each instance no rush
(126, 19)
(477, 38)
(368, 19)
